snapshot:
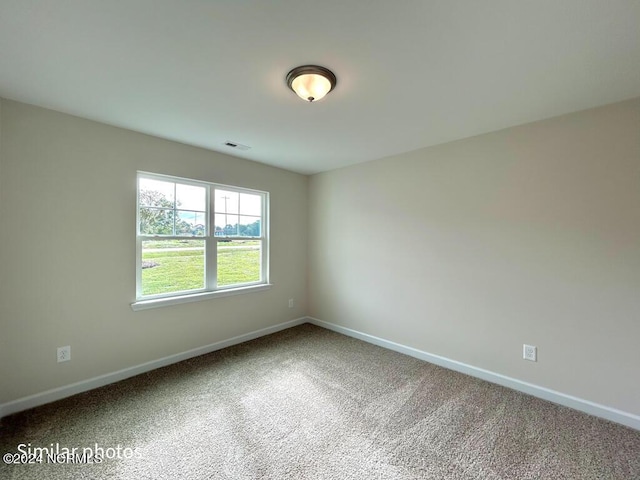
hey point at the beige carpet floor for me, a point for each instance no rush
(307, 403)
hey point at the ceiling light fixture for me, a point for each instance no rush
(311, 82)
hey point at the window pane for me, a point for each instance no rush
(238, 262)
(250, 204)
(156, 193)
(226, 225)
(156, 221)
(226, 201)
(174, 219)
(172, 266)
(190, 197)
(190, 223)
(249, 226)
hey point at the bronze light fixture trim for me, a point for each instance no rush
(311, 82)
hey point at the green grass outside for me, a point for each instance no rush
(238, 266)
(183, 270)
(192, 243)
(173, 243)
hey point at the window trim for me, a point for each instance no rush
(197, 297)
(211, 289)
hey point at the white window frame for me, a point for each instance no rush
(211, 288)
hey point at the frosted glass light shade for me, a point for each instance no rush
(311, 82)
(311, 87)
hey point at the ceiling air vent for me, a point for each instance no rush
(237, 146)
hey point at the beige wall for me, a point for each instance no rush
(466, 250)
(470, 249)
(67, 250)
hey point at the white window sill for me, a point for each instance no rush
(196, 297)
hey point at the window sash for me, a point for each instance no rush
(210, 239)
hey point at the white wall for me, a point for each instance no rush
(470, 249)
(67, 250)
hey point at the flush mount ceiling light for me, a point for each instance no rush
(311, 82)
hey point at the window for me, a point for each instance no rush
(198, 238)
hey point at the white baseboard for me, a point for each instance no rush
(85, 385)
(602, 411)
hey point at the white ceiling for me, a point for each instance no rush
(411, 73)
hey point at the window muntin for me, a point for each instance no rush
(177, 251)
(171, 208)
(237, 214)
(238, 230)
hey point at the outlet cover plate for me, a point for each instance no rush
(530, 352)
(64, 354)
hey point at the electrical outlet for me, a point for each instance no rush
(64, 354)
(529, 352)
(291, 303)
